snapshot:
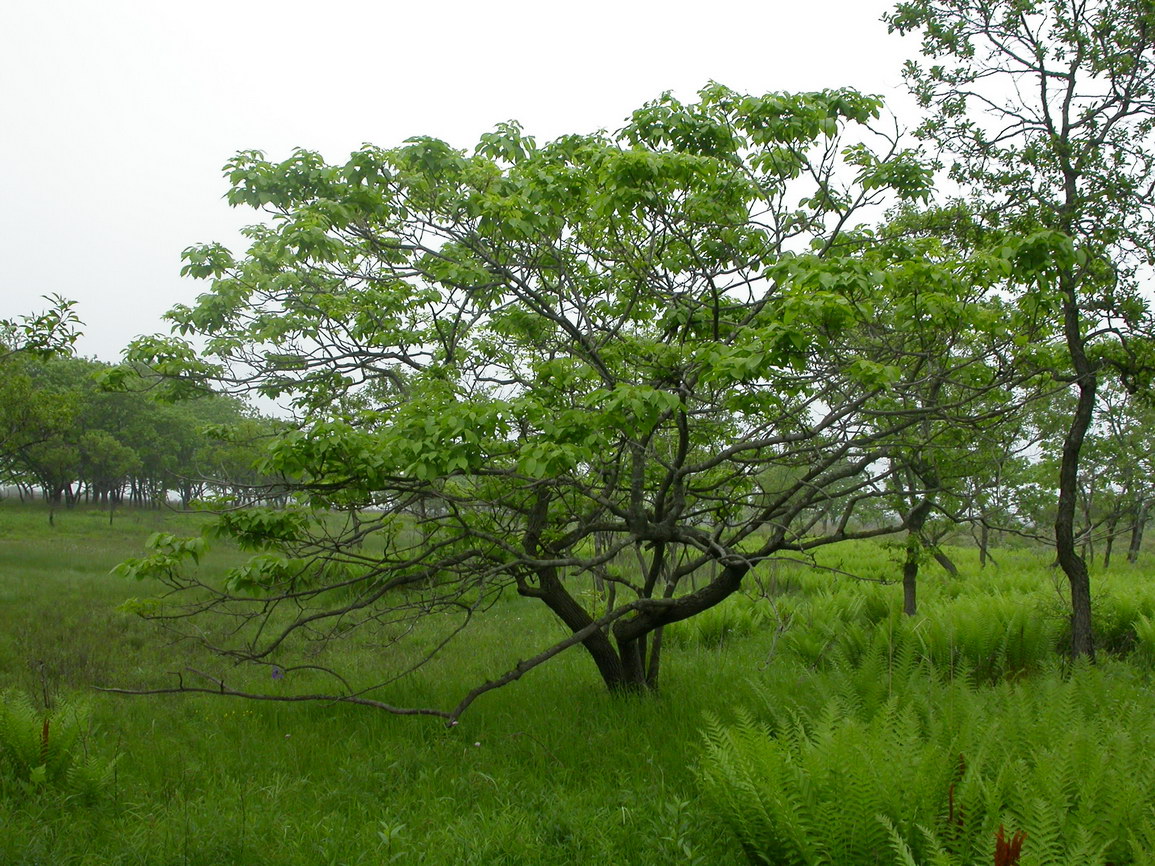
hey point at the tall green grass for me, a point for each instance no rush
(549, 770)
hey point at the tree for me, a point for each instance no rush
(1116, 488)
(61, 431)
(26, 420)
(106, 465)
(1046, 109)
(656, 357)
(995, 492)
(933, 463)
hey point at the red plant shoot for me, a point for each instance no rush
(1008, 853)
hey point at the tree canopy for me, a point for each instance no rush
(656, 357)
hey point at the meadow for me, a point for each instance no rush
(806, 721)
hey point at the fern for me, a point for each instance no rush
(933, 771)
(50, 749)
(902, 852)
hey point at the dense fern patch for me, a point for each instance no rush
(890, 760)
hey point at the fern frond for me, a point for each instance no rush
(904, 856)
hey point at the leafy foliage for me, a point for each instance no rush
(45, 335)
(64, 433)
(1046, 111)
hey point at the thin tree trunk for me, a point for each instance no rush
(945, 561)
(914, 545)
(1137, 533)
(1111, 524)
(1073, 565)
(654, 666)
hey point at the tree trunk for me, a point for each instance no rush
(655, 664)
(910, 577)
(1073, 565)
(914, 546)
(945, 561)
(631, 632)
(984, 543)
(633, 666)
(1111, 524)
(633, 656)
(1137, 533)
(610, 665)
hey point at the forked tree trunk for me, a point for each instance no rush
(633, 655)
(628, 655)
(634, 634)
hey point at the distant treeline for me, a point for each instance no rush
(67, 439)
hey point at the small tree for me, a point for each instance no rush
(1046, 109)
(934, 462)
(656, 358)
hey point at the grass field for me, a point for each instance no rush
(550, 769)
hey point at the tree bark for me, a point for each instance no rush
(1112, 523)
(914, 545)
(655, 664)
(945, 561)
(1137, 533)
(551, 591)
(984, 543)
(633, 657)
(663, 611)
(1073, 565)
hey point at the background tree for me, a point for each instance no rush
(932, 470)
(1045, 110)
(63, 433)
(657, 357)
(1116, 486)
(26, 420)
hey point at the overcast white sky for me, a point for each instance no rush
(116, 116)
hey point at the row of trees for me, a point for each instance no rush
(664, 355)
(65, 436)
